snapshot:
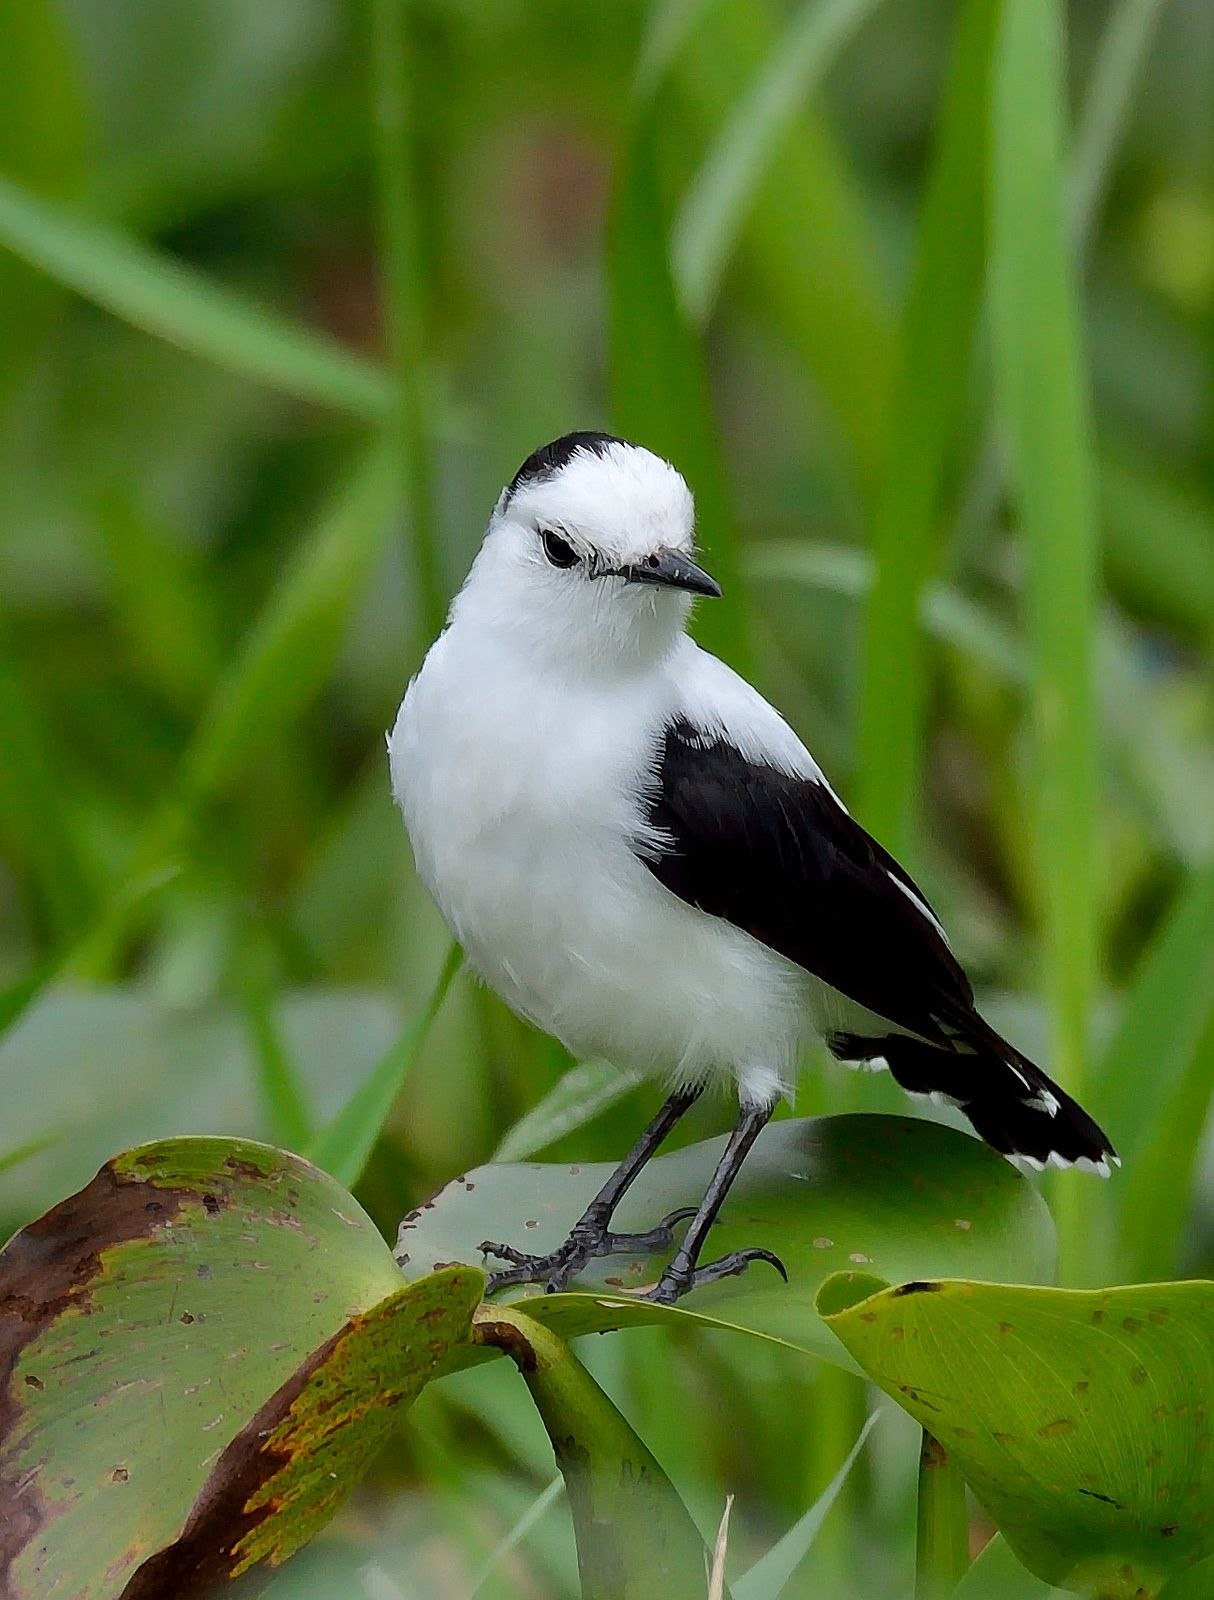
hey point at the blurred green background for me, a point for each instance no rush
(920, 297)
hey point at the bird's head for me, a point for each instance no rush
(588, 555)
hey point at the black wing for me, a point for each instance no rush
(779, 857)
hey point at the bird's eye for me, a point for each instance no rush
(559, 551)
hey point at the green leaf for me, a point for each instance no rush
(172, 301)
(950, 616)
(1080, 1418)
(658, 384)
(1041, 384)
(897, 1196)
(345, 1146)
(809, 253)
(715, 207)
(997, 1575)
(194, 1343)
(1167, 1019)
(635, 1537)
(770, 1575)
(930, 389)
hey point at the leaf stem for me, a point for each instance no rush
(942, 1539)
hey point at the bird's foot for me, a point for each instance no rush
(587, 1241)
(681, 1276)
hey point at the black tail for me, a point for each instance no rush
(1010, 1102)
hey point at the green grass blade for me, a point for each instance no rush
(770, 1575)
(1158, 1198)
(945, 613)
(1042, 392)
(344, 1147)
(929, 398)
(38, 835)
(543, 1501)
(1116, 73)
(1159, 1038)
(395, 67)
(25, 1152)
(172, 301)
(580, 1095)
(809, 253)
(716, 205)
(290, 649)
(659, 388)
(278, 1083)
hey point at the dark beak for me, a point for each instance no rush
(672, 570)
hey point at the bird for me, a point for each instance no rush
(640, 856)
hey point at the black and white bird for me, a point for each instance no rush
(639, 855)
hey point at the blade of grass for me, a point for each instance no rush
(1112, 85)
(344, 1147)
(289, 651)
(580, 1095)
(1158, 1039)
(949, 616)
(1041, 387)
(279, 1085)
(542, 1502)
(659, 388)
(24, 1152)
(715, 207)
(1157, 1199)
(172, 301)
(395, 67)
(286, 656)
(929, 398)
(772, 1573)
(38, 834)
(808, 252)
(43, 133)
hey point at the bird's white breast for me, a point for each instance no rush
(524, 801)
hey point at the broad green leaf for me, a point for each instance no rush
(715, 207)
(1041, 384)
(172, 301)
(929, 396)
(889, 1194)
(1081, 1418)
(770, 1575)
(576, 1099)
(288, 1470)
(174, 1334)
(635, 1537)
(345, 1146)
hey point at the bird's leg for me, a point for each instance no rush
(591, 1235)
(682, 1273)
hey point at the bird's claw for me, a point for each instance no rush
(681, 1278)
(556, 1268)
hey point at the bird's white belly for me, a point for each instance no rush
(518, 837)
